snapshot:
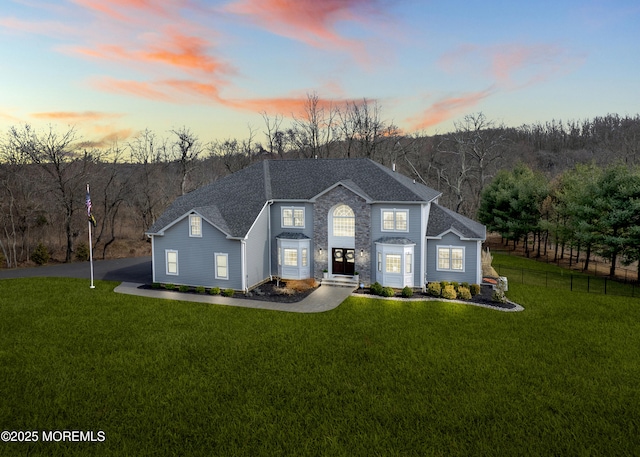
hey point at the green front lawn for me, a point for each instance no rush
(372, 377)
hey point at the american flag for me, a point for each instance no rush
(88, 202)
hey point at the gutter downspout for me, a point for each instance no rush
(243, 254)
(423, 264)
(269, 238)
(153, 258)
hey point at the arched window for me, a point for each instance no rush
(344, 221)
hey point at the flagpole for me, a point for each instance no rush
(90, 243)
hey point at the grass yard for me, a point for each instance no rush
(372, 377)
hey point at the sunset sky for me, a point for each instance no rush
(113, 68)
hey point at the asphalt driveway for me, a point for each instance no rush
(136, 269)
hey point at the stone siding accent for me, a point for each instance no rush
(362, 211)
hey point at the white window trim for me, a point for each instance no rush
(302, 249)
(400, 260)
(215, 264)
(394, 211)
(450, 248)
(293, 209)
(334, 220)
(191, 234)
(286, 256)
(166, 262)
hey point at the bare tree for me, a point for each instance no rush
(276, 137)
(313, 133)
(150, 192)
(63, 165)
(114, 186)
(186, 150)
(473, 153)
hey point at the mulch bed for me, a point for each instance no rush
(270, 291)
(485, 297)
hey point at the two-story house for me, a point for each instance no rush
(294, 219)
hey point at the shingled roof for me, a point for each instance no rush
(232, 203)
(442, 220)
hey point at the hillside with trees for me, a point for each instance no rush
(536, 182)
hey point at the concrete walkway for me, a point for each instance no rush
(324, 298)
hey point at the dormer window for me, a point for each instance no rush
(195, 225)
(293, 217)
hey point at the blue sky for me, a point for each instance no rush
(113, 68)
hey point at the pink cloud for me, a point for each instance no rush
(71, 116)
(447, 108)
(178, 91)
(310, 21)
(143, 89)
(47, 28)
(511, 66)
(172, 49)
(124, 9)
(193, 91)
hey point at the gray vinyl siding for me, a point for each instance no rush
(196, 256)
(415, 234)
(470, 260)
(277, 229)
(257, 250)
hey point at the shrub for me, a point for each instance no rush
(40, 255)
(82, 252)
(474, 289)
(169, 286)
(434, 289)
(155, 285)
(407, 292)
(228, 292)
(449, 292)
(376, 288)
(464, 293)
(465, 284)
(443, 284)
(200, 289)
(183, 288)
(387, 292)
(214, 291)
(455, 284)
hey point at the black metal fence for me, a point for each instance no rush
(568, 281)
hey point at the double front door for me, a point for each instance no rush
(344, 261)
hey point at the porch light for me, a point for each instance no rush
(320, 249)
(361, 252)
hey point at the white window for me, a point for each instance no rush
(195, 225)
(450, 258)
(171, 262)
(344, 221)
(222, 266)
(290, 257)
(293, 258)
(293, 217)
(395, 220)
(379, 261)
(393, 262)
(408, 263)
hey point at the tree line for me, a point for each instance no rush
(588, 208)
(43, 173)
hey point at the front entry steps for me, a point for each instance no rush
(341, 281)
